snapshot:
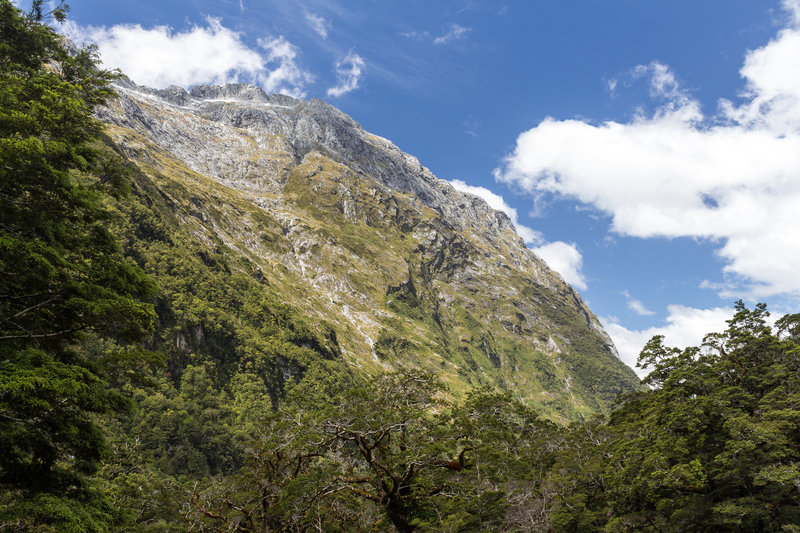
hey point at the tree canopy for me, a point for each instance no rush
(713, 446)
(62, 274)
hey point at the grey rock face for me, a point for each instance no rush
(305, 126)
(243, 92)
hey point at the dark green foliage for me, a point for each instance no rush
(378, 456)
(62, 276)
(189, 432)
(509, 449)
(714, 447)
(322, 463)
(391, 347)
(61, 271)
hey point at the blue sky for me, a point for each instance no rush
(650, 151)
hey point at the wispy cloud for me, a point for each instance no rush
(612, 86)
(285, 75)
(793, 9)
(730, 177)
(348, 72)
(210, 53)
(636, 306)
(455, 33)
(416, 34)
(319, 24)
(471, 126)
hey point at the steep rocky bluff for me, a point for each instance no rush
(363, 240)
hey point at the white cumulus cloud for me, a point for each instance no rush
(348, 72)
(685, 326)
(211, 53)
(732, 177)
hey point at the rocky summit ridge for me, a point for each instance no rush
(359, 236)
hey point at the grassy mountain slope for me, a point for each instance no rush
(364, 243)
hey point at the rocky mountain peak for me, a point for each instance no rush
(242, 92)
(310, 126)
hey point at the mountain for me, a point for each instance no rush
(394, 266)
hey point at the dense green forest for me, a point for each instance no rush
(252, 421)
